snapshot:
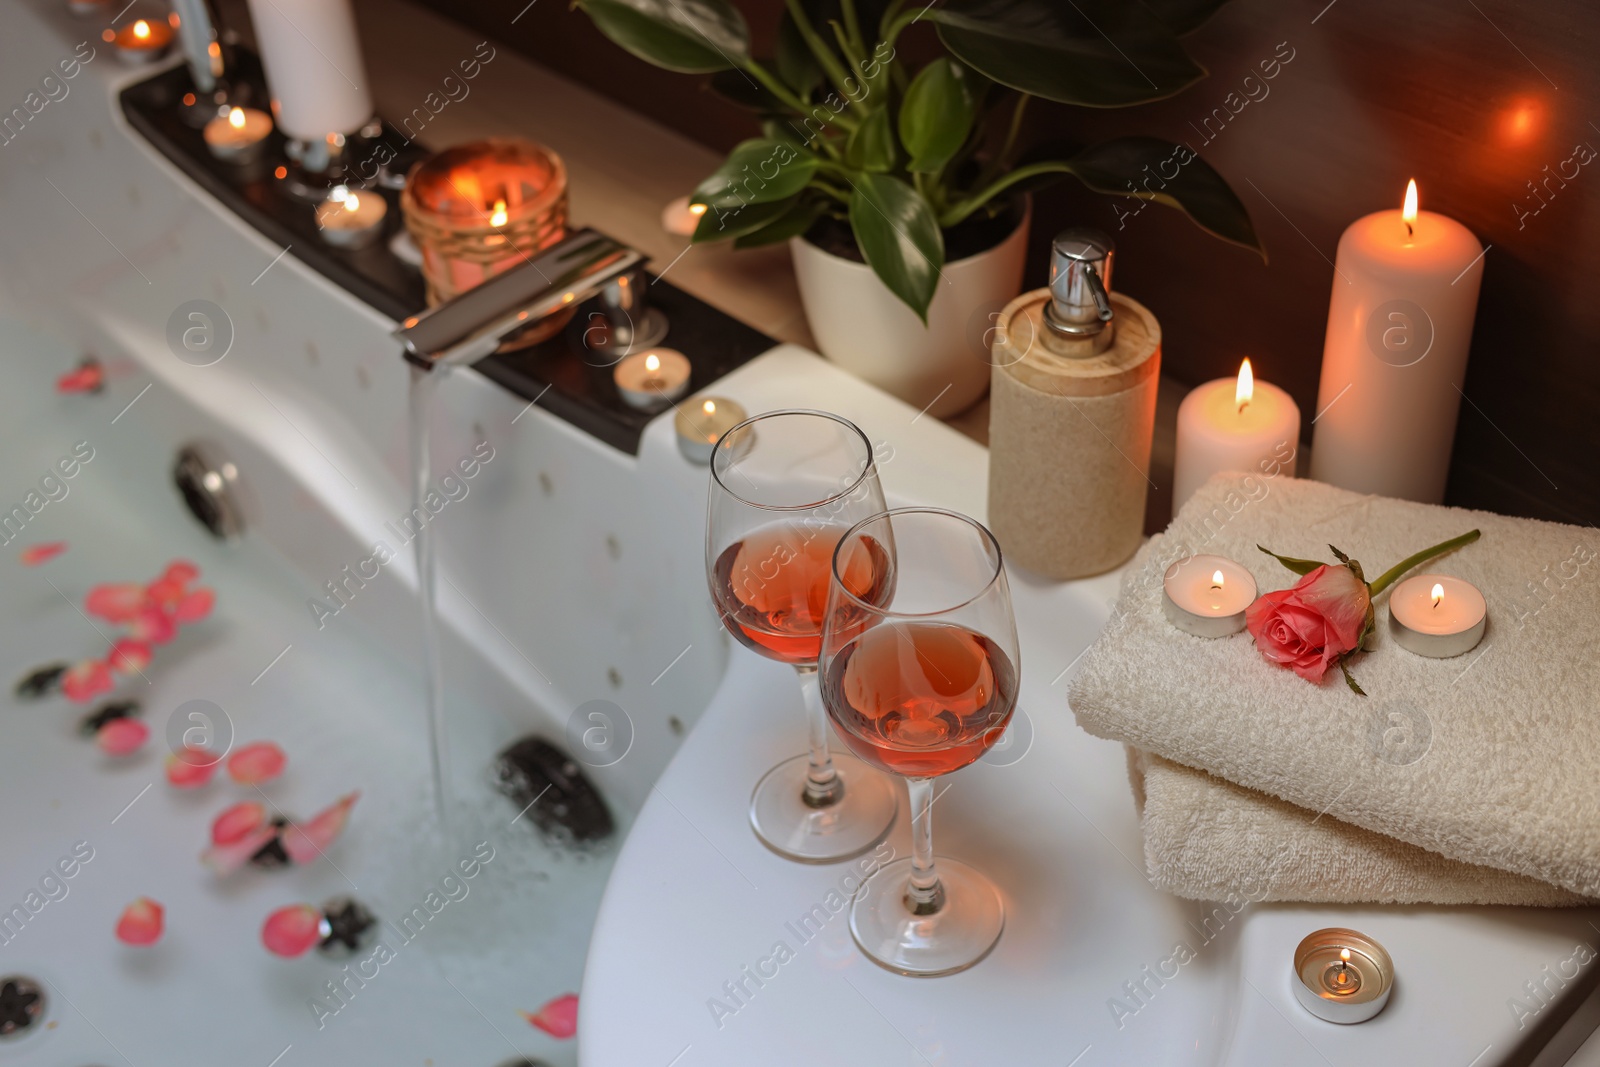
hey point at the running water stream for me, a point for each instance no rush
(424, 383)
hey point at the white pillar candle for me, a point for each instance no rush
(1207, 595)
(1436, 615)
(653, 378)
(1233, 424)
(313, 66)
(1405, 291)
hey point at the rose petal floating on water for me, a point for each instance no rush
(225, 859)
(559, 1018)
(304, 842)
(122, 737)
(181, 571)
(237, 822)
(292, 931)
(116, 601)
(87, 377)
(191, 767)
(142, 922)
(128, 656)
(165, 593)
(34, 555)
(260, 761)
(86, 679)
(192, 607)
(152, 625)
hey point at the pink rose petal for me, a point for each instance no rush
(122, 737)
(115, 601)
(165, 593)
(88, 377)
(225, 859)
(34, 555)
(559, 1018)
(128, 656)
(86, 679)
(304, 842)
(238, 821)
(181, 571)
(258, 762)
(152, 625)
(192, 767)
(292, 931)
(192, 607)
(142, 922)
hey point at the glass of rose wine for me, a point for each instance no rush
(921, 680)
(785, 486)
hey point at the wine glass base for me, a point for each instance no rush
(959, 935)
(784, 823)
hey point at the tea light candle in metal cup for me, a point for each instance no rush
(702, 422)
(1342, 976)
(653, 378)
(351, 220)
(1207, 595)
(139, 42)
(1436, 615)
(681, 217)
(239, 135)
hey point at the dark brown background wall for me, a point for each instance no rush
(1473, 98)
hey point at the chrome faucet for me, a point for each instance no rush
(473, 324)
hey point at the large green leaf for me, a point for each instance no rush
(689, 36)
(898, 235)
(1184, 16)
(1170, 174)
(792, 223)
(936, 114)
(871, 144)
(1096, 53)
(757, 171)
(721, 224)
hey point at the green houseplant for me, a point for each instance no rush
(906, 156)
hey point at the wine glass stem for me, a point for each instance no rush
(823, 787)
(924, 894)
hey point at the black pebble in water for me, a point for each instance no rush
(117, 709)
(271, 855)
(41, 681)
(559, 799)
(348, 920)
(19, 1006)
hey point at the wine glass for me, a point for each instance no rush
(921, 680)
(785, 486)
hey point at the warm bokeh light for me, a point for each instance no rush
(697, 209)
(236, 118)
(1438, 593)
(709, 407)
(1409, 211)
(141, 29)
(1521, 121)
(351, 202)
(499, 216)
(1246, 387)
(652, 363)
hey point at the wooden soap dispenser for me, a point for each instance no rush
(1076, 368)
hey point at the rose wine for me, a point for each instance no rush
(772, 587)
(920, 698)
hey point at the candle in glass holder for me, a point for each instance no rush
(702, 422)
(239, 136)
(1207, 595)
(1342, 976)
(1233, 424)
(351, 220)
(1436, 615)
(140, 42)
(652, 379)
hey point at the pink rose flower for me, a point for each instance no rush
(1310, 626)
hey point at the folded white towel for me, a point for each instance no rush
(1492, 758)
(1206, 839)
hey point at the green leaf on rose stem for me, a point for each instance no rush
(871, 145)
(792, 223)
(899, 237)
(1299, 566)
(1184, 16)
(688, 36)
(936, 114)
(1094, 53)
(758, 171)
(1171, 174)
(721, 224)
(1350, 679)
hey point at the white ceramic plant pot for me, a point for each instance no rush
(863, 327)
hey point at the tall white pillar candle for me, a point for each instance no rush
(1405, 291)
(313, 65)
(1234, 424)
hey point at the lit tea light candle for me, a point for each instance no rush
(238, 136)
(350, 220)
(1207, 595)
(702, 422)
(653, 378)
(1436, 615)
(1342, 976)
(1234, 424)
(681, 217)
(140, 42)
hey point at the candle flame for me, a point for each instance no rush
(697, 209)
(1438, 593)
(1344, 955)
(236, 118)
(141, 29)
(499, 216)
(1216, 579)
(351, 202)
(652, 363)
(709, 407)
(1409, 211)
(1246, 388)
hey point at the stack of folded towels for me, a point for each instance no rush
(1472, 780)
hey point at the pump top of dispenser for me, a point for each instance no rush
(1080, 288)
